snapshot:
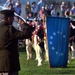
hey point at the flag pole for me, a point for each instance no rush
(46, 39)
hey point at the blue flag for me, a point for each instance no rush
(58, 33)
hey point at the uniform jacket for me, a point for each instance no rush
(9, 56)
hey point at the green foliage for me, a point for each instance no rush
(29, 67)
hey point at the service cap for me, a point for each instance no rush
(7, 12)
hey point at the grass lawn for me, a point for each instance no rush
(30, 67)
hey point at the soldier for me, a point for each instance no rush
(72, 38)
(38, 43)
(9, 56)
(28, 48)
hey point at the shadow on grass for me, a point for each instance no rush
(70, 69)
(62, 71)
(22, 49)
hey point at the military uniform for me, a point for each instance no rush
(72, 39)
(9, 56)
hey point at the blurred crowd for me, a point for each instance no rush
(39, 10)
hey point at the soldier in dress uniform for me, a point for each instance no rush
(72, 37)
(28, 41)
(9, 56)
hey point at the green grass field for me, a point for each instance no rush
(30, 67)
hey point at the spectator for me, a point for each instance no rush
(10, 7)
(51, 6)
(47, 11)
(42, 13)
(28, 7)
(30, 17)
(8, 2)
(41, 4)
(67, 13)
(18, 1)
(72, 11)
(17, 8)
(63, 8)
(34, 9)
(54, 12)
(68, 5)
(13, 3)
